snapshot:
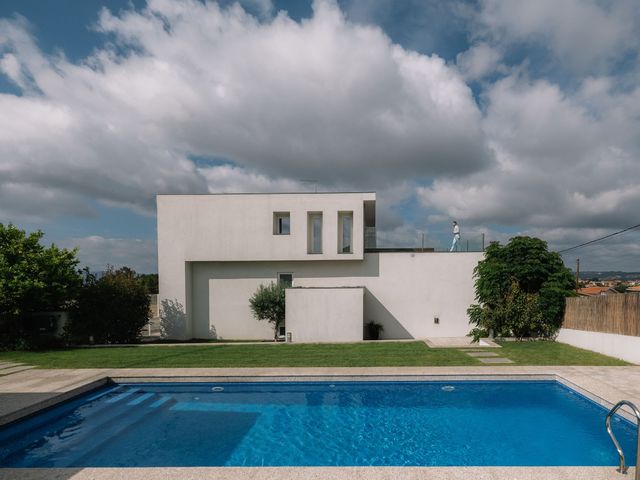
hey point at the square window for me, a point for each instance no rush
(281, 223)
(285, 279)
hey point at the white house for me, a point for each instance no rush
(215, 250)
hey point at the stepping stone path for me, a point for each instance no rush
(487, 357)
(7, 368)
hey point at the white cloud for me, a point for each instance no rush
(334, 101)
(582, 35)
(97, 252)
(560, 163)
(323, 99)
(480, 60)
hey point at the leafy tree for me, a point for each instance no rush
(521, 289)
(621, 287)
(268, 303)
(33, 278)
(149, 281)
(111, 309)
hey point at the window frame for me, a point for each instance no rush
(278, 277)
(341, 216)
(277, 224)
(310, 232)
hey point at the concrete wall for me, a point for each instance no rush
(618, 346)
(216, 228)
(324, 314)
(403, 292)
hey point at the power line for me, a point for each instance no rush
(599, 239)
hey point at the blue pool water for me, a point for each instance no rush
(503, 423)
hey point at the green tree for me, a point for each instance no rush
(111, 309)
(149, 281)
(33, 278)
(621, 287)
(520, 282)
(268, 304)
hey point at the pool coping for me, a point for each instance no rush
(578, 380)
(316, 473)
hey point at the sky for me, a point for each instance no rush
(511, 117)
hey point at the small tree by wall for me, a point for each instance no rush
(173, 319)
(110, 309)
(268, 303)
(521, 289)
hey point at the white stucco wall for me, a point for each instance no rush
(239, 227)
(619, 346)
(324, 314)
(402, 291)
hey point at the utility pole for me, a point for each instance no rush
(483, 241)
(577, 274)
(423, 241)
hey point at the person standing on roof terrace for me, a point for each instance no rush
(456, 237)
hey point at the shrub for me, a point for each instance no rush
(521, 289)
(268, 303)
(173, 319)
(110, 309)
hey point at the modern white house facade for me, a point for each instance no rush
(214, 251)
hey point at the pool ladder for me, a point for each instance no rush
(623, 467)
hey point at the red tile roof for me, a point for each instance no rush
(595, 290)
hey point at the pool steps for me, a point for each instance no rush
(111, 414)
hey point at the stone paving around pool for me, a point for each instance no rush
(7, 368)
(28, 390)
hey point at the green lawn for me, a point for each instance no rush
(256, 355)
(390, 354)
(553, 353)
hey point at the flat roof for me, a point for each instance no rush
(260, 193)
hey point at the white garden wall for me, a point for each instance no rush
(619, 346)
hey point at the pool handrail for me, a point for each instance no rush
(623, 467)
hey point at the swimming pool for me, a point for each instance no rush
(461, 423)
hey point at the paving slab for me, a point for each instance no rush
(10, 370)
(495, 360)
(459, 342)
(9, 365)
(482, 354)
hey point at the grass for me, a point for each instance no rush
(554, 353)
(281, 355)
(389, 354)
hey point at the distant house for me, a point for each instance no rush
(634, 289)
(215, 250)
(593, 291)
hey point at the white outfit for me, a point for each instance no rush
(456, 238)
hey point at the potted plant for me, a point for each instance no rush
(373, 330)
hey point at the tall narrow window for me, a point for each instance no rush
(281, 223)
(314, 232)
(345, 232)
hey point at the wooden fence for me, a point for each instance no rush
(604, 313)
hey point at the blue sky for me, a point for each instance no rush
(512, 117)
